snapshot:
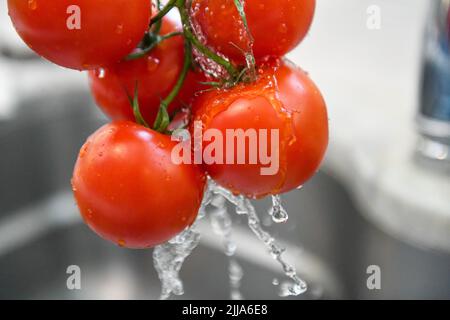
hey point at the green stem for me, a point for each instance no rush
(189, 35)
(171, 4)
(158, 24)
(136, 108)
(162, 120)
(158, 40)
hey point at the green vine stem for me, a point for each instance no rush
(163, 120)
(156, 39)
(158, 17)
(189, 36)
(135, 105)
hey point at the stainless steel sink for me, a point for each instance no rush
(328, 241)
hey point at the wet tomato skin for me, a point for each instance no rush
(284, 98)
(277, 26)
(154, 74)
(81, 34)
(128, 189)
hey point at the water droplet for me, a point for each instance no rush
(152, 63)
(32, 4)
(300, 187)
(282, 28)
(275, 282)
(235, 273)
(100, 73)
(278, 213)
(119, 29)
(121, 243)
(292, 289)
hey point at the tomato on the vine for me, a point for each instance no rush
(282, 99)
(155, 75)
(129, 190)
(81, 34)
(277, 26)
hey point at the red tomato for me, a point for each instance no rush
(155, 74)
(81, 34)
(128, 189)
(283, 99)
(277, 26)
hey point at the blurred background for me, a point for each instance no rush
(381, 201)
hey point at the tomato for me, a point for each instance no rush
(128, 189)
(155, 75)
(282, 100)
(277, 26)
(81, 34)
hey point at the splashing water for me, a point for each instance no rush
(169, 257)
(277, 212)
(168, 260)
(222, 225)
(245, 207)
(236, 273)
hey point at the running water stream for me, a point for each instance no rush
(169, 257)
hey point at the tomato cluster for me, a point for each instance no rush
(145, 67)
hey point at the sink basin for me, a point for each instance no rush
(328, 241)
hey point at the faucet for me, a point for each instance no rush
(433, 120)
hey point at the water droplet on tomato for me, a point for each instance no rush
(282, 28)
(119, 29)
(100, 73)
(32, 4)
(121, 243)
(152, 63)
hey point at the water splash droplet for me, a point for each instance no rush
(244, 206)
(236, 273)
(169, 257)
(278, 213)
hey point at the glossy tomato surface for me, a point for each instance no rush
(277, 26)
(155, 75)
(81, 34)
(129, 190)
(284, 99)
